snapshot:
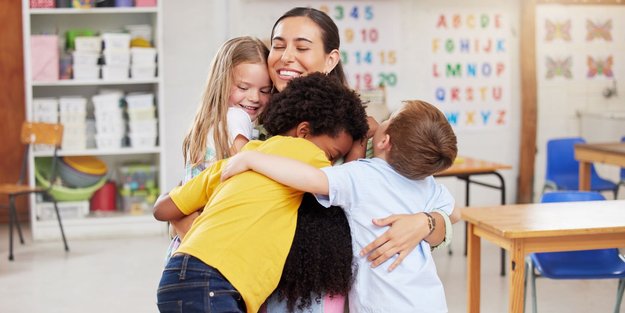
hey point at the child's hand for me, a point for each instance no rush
(236, 164)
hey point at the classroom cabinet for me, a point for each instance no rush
(79, 65)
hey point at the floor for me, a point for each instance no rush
(114, 275)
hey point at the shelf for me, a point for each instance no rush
(60, 11)
(95, 152)
(97, 82)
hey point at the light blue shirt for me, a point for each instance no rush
(370, 188)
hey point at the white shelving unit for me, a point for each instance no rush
(59, 20)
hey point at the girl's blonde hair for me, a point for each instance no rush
(212, 111)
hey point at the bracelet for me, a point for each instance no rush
(431, 223)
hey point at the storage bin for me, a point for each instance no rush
(143, 56)
(117, 57)
(44, 58)
(109, 128)
(46, 110)
(114, 72)
(141, 114)
(42, 4)
(124, 3)
(72, 34)
(142, 71)
(147, 127)
(107, 101)
(116, 41)
(86, 72)
(73, 105)
(72, 119)
(136, 177)
(139, 31)
(140, 100)
(145, 3)
(106, 141)
(85, 57)
(83, 4)
(141, 140)
(88, 44)
(67, 210)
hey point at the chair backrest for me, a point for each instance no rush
(42, 133)
(561, 158)
(569, 196)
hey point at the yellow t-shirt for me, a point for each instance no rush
(248, 223)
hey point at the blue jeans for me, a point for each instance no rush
(190, 285)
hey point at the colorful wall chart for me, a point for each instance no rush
(469, 74)
(369, 42)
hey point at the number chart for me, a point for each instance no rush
(370, 34)
(469, 74)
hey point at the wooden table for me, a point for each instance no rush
(587, 153)
(544, 227)
(465, 167)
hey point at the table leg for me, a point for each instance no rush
(473, 270)
(517, 277)
(584, 175)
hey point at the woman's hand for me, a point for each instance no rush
(236, 164)
(405, 233)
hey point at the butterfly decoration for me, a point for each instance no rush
(559, 67)
(598, 30)
(598, 67)
(557, 30)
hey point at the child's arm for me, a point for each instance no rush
(237, 144)
(166, 210)
(280, 169)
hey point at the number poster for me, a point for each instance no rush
(369, 32)
(469, 68)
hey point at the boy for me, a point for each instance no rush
(232, 257)
(409, 148)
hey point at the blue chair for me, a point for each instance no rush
(563, 169)
(622, 182)
(584, 264)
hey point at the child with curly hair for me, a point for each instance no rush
(231, 258)
(409, 148)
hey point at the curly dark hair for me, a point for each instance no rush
(329, 107)
(320, 260)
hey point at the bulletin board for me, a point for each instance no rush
(369, 42)
(469, 77)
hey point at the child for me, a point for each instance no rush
(232, 257)
(409, 148)
(237, 90)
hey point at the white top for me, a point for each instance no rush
(370, 188)
(239, 123)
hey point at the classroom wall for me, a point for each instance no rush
(574, 104)
(206, 24)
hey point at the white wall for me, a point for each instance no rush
(194, 29)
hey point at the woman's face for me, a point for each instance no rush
(297, 50)
(250, 89)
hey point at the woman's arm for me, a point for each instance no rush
(405, 233)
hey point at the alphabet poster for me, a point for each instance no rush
(469, 68)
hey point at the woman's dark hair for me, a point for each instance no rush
(329, 106)
(329, 34)
(320, 260)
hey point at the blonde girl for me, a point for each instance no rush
(236, 92)
(238, 82)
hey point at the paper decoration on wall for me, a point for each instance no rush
(598, 67)
(559, 67)
(558, 30)
(470, 61)
(599, 30)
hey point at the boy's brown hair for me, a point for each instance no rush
(422, 141)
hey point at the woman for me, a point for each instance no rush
(306, 40)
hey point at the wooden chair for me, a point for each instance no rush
(33, 133)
